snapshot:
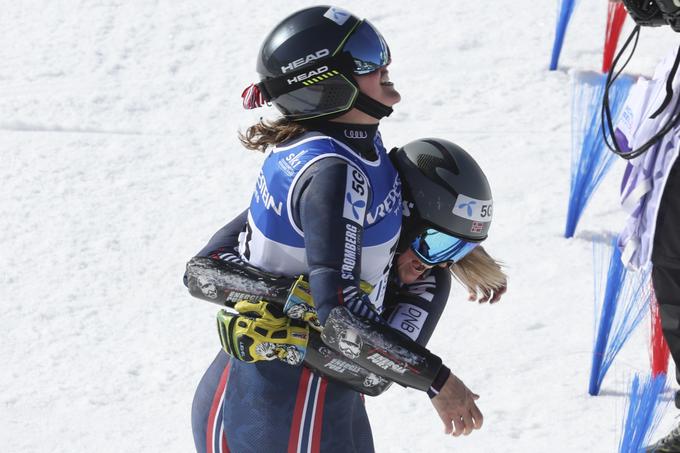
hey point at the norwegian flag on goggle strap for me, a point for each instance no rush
(252, 97)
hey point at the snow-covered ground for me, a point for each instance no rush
(119, 158)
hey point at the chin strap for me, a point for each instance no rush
(371, 107)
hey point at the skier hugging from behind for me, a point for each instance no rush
(328, 206)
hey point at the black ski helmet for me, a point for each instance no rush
(306, 64)
(443, 188)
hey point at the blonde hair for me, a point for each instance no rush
(264, 134)
(479, 272)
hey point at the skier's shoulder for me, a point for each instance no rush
(315, 145)
(308, 143)
(314, 153)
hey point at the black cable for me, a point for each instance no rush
(606, 119)
(606, 113)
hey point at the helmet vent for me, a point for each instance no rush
(334, 95)
(429, 163)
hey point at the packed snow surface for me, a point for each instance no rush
(119, 159)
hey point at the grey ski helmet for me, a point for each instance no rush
(443, 188)
(308, 62)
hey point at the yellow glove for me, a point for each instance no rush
(260, 331)
(300, 304)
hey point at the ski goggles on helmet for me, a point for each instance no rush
(368, 49)
(434, 247)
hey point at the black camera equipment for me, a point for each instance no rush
(652, 13)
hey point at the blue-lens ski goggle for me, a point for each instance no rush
(368, 49)
(434, 247)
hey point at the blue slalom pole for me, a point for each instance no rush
(566, 10)
(614, 279)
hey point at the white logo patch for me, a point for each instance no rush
(409, 319)
(473, 209)
(354, 134)
(356, 196)
(337, 15)
(291, 162)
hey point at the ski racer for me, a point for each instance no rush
(418, 290)
(327, 172)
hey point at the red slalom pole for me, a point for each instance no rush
(658, 346)
(616, 16)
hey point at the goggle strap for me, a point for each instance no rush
(264, 92)
(289, 82)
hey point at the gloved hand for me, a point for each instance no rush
(300, 304)
(260, 331)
